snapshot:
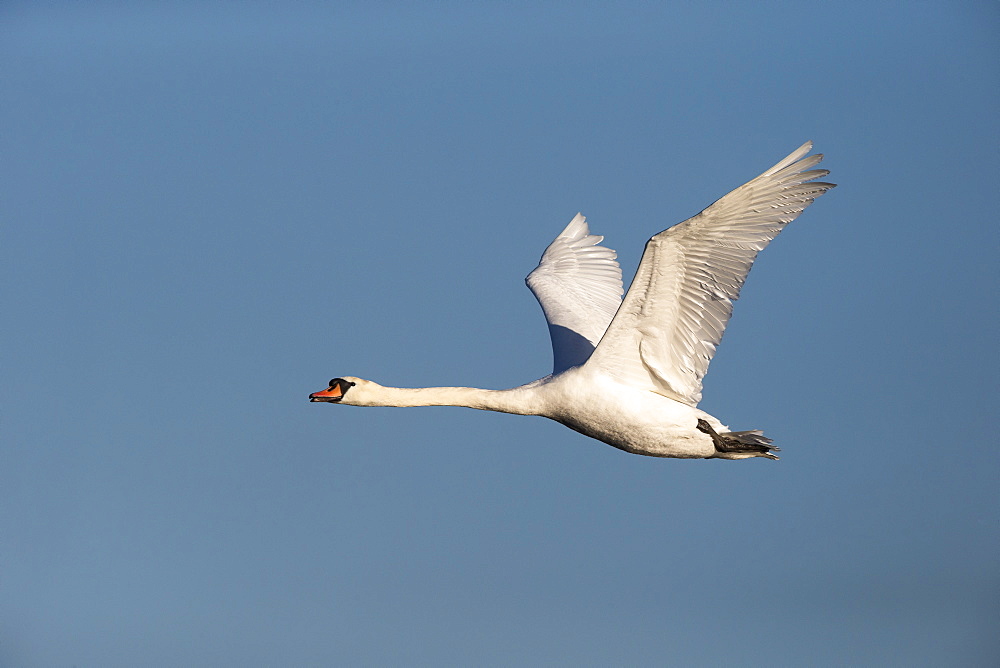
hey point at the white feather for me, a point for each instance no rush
(680, 301)
(578, 284)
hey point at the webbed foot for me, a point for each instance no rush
(752, 442)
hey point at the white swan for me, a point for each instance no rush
(629, 372)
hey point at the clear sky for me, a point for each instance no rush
(210, 209)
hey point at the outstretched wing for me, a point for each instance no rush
(579, 286)
(675, 312)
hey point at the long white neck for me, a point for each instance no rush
(521, 400)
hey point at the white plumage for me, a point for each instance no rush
(682, 295)
(629, 373)
(579, 286)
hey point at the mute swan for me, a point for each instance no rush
(629, 372)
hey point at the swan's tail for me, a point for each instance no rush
(740, 444)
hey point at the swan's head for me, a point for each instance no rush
(338, 391)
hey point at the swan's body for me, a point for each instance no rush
(629, 372)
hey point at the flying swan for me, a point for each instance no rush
(628, 372)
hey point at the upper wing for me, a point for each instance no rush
(675, 312)
(579, 286)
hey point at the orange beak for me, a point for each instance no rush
(332, 393)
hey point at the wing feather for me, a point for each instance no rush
(578, 284)
(676, 310)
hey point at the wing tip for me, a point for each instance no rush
(794, 156)
(576, 228)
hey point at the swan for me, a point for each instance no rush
(629, 372)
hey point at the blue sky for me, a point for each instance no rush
(209, 210)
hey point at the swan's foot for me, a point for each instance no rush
(746, 443)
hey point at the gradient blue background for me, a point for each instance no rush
(209, 210)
